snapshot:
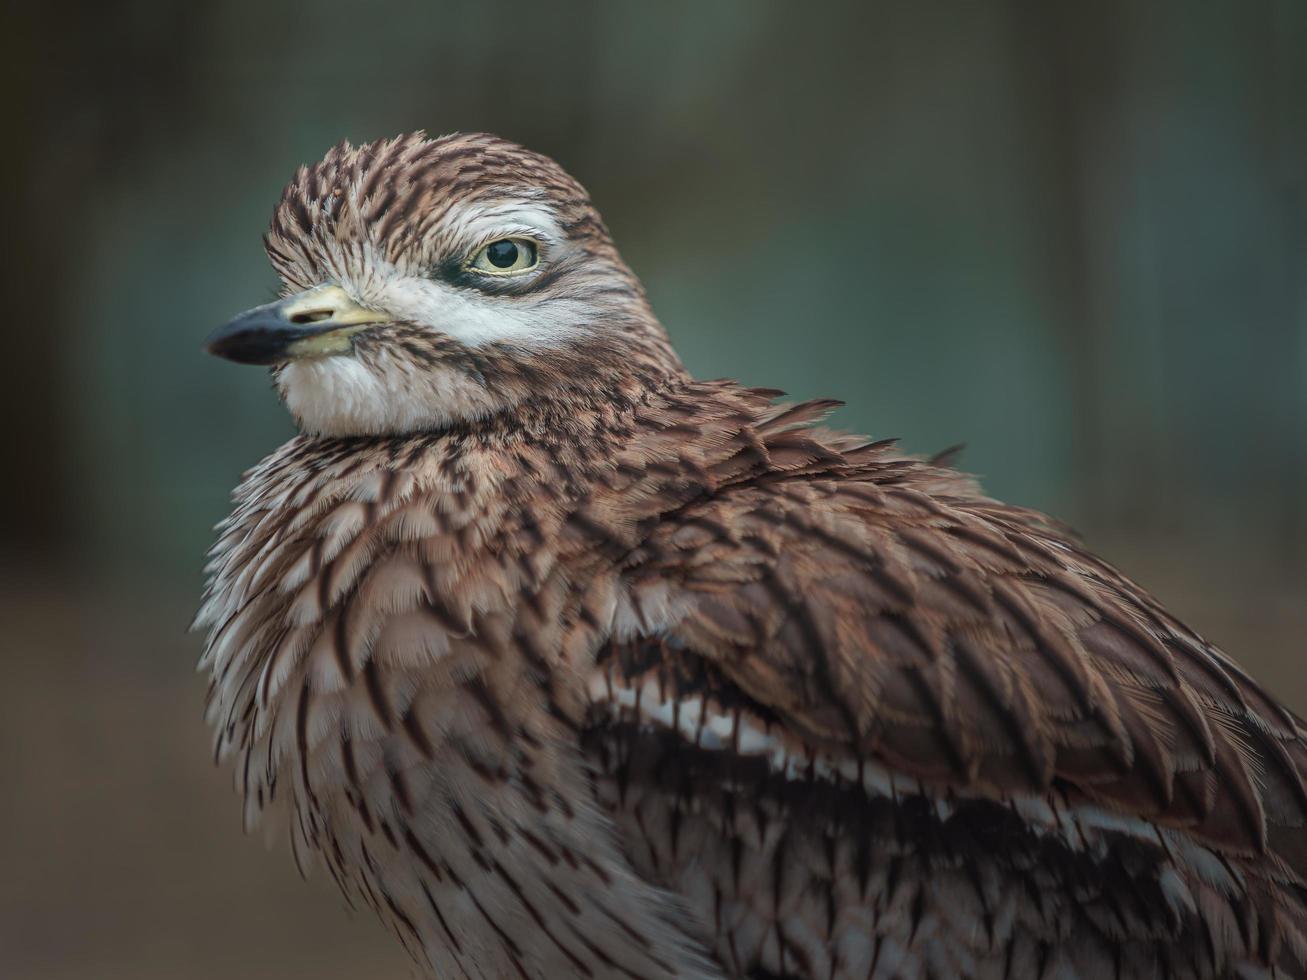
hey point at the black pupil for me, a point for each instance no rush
(503, 254)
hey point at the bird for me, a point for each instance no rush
(567, 663)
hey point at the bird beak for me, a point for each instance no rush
(314, 323)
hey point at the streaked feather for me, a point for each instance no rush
(617, 673)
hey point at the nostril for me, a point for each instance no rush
(313, 316)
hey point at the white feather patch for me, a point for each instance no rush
(709, 726)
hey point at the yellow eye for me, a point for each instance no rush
(506, 257)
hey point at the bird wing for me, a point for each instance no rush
(852, 612)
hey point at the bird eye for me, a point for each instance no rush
(506, 257)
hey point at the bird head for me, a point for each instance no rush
(434, 281)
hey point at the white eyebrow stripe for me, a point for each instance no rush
(464, 314)
(477, 222)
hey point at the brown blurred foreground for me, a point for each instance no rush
(122, 848)
(123, 854)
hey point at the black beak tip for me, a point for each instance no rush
(248, 343)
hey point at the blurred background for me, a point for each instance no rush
(1070, 235)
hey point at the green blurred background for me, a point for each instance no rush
(1070, 235)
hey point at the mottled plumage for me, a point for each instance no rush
(567, 664)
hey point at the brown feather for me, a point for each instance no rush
(617, 635)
